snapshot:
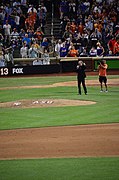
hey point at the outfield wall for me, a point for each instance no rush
(25, 66)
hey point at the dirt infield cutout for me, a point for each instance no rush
(60, 142)
(39, 103)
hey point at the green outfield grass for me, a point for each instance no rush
(29, 81)
(104, 111)
(61, 169)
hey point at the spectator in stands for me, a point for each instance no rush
(68, 25)
(89, 23)
(30, 33)
(93, 39)
(1, 39)
(43, 7)
(8, 55)
(73, 27)
(85, 39)
(31, 10)
(111, 44)
(27, 40)
(84, 53)
(98, 34)
(46, 56)
(87, 7)
(7, 31)
(63, 8)
(16, 48)
(80, 28)
(33, 52)
(76, 40)
(66, 33)
(16, 3)
(73, 52)
(63, 50)
(29, 22)
(99, 1)
(2, 14)
(72, 9)
(2, 62)
(24, 5)
(68, 43)
(8, 9)
(93, 52)
(41, 20)
(39, 34)
(36, 45)
(45, 43)
(17, 21)
(96, 9)
(57, 47)
(100, 49)
(14, 34)
(22, 21)
(17, 9)
(24, 50)
(116, 46)
(22, 33)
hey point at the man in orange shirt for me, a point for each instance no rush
(102, 67)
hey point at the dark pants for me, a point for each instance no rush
(83, 84)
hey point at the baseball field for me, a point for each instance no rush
(49, 132)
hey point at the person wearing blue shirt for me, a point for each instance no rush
(63, 51)
(45, 43)
(27, 40)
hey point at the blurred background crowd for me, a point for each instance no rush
(86, 28)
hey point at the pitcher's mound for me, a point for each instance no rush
(38, 103)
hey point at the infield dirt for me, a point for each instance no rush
(70, 141)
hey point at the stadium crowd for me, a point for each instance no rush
(88, 28)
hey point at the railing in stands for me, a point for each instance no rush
(52, 24)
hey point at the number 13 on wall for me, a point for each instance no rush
(4, 71)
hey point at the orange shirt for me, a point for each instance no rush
(29, 22)
(73, 28)
(39, 35)
(80, 29)
(116, 47)
(73, 53)
(102, 70)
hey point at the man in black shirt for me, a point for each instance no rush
(81, 76)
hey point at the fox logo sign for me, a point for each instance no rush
(17, 70)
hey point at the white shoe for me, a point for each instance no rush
(106, 91)
(101, 90)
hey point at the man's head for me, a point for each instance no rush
(103, 62)
(80, 63)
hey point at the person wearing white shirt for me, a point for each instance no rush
(57, 47)
(16, 3)
(24, 51)
(31, 9)
(7, 31)
(14, 34)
